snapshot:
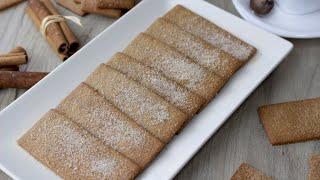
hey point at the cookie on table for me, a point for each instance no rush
(314, 167)
(72, 153)
(174, 65)
(291, 122)
(93, 112)
(194, 47)
(146, 108)
(201, 27)
(180, 97)
(246, 172)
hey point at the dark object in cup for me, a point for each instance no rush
(261, 7)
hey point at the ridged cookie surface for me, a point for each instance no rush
(93, 112)
(174, 65)
(194, 47)
(218, 37)
(148, 109)
(188, 102)
(73, 153)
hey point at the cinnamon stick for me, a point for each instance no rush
(9, 68)
(18, 49)
(4, 4)
(71, 38)
(20, 80)
(37, 22)
(17, 52)
(53, 30)
(117, 4)
(13, 54)
(8, 60)
(91, 6)
(72, 6)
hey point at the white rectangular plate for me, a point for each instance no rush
(17, 118)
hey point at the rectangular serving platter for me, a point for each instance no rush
(19, 116)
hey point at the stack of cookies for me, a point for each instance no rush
(117, 121)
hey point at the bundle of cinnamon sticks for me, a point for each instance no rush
(10, 77)
(110, 8)
(58, 34)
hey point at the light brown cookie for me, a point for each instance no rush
(73, 153)
(148, 109)
(174, 65)
(180, 97)
(194, 47)
(246, 172)
(314, 165)
(291, 122)
(201, 27)
(94, 113)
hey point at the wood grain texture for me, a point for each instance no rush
(241, 139)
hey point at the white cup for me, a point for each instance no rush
(299, 6)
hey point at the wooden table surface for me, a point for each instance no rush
(241, 139)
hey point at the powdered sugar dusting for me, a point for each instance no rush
(218, 37)
(74, 149)
(184, 71)
(171, 63)
(119, 131)
(104, 166)
(103, 120)
(168, 89)
(130, 96)
(146, 108)
(210, 58)
(200, 53)
(154, 80)
(188, 44)
(73, 140)
(73, 146)
(227, 43)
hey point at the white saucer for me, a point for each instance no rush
(281, 23)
